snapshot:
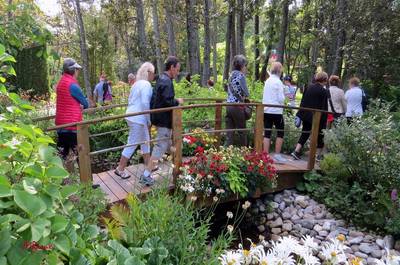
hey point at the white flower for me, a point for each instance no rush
(309, 243)
(231, 258)
(230, 228)
(261, 238)
(229, 215)
(209, 176)
(310, 259)
(334, 252)
(246, 205)
(186, 140)
(193, 198)
(215, 198)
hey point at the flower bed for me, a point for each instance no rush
(227, 172)
(201, 141)
(289, 250)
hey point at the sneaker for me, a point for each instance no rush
(319, 158)
(148, 181)
(296, 155)
(279, 159)
(122, 174)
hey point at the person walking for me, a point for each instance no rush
(315, 97)
(354, 98)
(163, 97)
(131, 79)
(69, 103)
(273, 116)
(336, 100)
(237, 93)
(139, 126)
(290, 90)
(98, 92)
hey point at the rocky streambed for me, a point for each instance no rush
(291, 213)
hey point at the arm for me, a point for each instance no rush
(280, 93)
(168, 94)
(77, 94)
(243, 85)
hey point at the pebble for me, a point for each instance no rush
(318, 228)
(361, 255)
(274, 205)
(295, 217)
(356, 240)
(355, 248)
(397, 245)
(287, 227)
(356, 234)
(278, 222)
(389, 241)
(323, 233)
(261, 228)
(286, 215)
(262, 208)
(380, 243)
(376, 253)
(270, 216)
(276, 231)
(301, 200)
(366, 248)
(309, 224)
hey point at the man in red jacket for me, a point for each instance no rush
(69, 104)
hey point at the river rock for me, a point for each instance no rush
(286, 215)
(276, 231)
(356, 234)
(389, 241)
(380, 243)
(318, 228)
(371, 261)
(305, 231)
(274, 205)
(376, 253)
(323, 233)
(356, 240)
(287, 227)
(301, 200)
(309, 210)
(278, 222)
(361, 255)
(278, 198)
(297, 227)
(369, 239)
(270, 216)
(309, 224)
(262, 208)
(327, 226)
(355, 248)
(366, 248)
(261, 228)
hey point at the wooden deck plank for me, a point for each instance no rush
(109, 194)
(126, 184)
(118, 191)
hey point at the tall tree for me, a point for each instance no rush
(228, 38)
(157, 37)
(256, 41)
(207, 43)
(214, 40)
(284, 27)
(234, 50)
(270, 37)
(84, 50)
(193, 37)
(141, 30)
(169, 17)
(240, 25)
(340, 37)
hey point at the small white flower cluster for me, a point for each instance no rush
(290, 251)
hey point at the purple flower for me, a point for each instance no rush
(394, 195)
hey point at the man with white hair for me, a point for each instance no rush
(273, 116)
(131, 79)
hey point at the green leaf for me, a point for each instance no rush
(133, 261)
(52, 190)
(5, 205)
(9, 218)
(119, 249)
(46, 153)
(63, 244)
(5, 191)
(3, 261)
(17, 253)
(2, 49)
(77, 258)
(59, 223)
(5, 242)
(31, 185)
(31, 204)
(56, 172)
(92, 231)
(34, 258)
(22, 225)
(40, 228)
(69, 190)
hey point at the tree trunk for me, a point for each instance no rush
(207, 44)
(214, 42)
(256, 41)
(340, 38)
(84, 50)
(141, 30)
(228, 40)
(271, 36)
(233, 31)
(157, 37)
(170, 28)
(240, 25)
(284, 26)
(193, 37)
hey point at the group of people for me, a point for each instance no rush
(102, 93)
(323, 94)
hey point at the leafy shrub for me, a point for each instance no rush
(200, 139)
(362, 170)
(174, 226)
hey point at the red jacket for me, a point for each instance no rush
(68, 109)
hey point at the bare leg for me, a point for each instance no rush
(298, 148)
(123, 163)
(278, 145)
(267, 144)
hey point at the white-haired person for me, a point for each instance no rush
(138, 101)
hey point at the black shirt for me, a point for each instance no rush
(315, 97)
(163, 97)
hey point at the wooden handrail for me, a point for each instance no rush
(121, 116)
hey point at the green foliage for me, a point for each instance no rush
(362, 171)
(175, 227)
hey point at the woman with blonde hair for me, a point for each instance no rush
(139, 100)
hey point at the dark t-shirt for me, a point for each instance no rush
(163, 97)
(315, 97)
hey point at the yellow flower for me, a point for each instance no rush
(246, 252)
(356, 261)
(333, 254)
(341, 237)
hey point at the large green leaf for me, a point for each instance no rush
(2, 49)
(58, 224)
(63, 244)
(31, 185)
(34, 170)
(8, 218)
(77, 258)
(133, 261)
(5, 242)
(69, 190)
(40, 228)
(5, 191)
(3, 261)
(92, 231)
(34, 258)
(56, 172)
(46, 153)
(31, 204)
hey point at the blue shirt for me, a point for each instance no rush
(77, 94)
(98, 92)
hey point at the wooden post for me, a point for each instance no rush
(218, 123)
(259, 128)
(85, 169)
(177, 142)
(314, 139)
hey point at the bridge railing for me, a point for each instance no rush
(83, 136)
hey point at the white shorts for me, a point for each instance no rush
(138, 133)
(161, 145)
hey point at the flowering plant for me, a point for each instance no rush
(290, 251)
(226, 172)
(201, 140)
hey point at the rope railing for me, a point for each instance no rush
(178, 132)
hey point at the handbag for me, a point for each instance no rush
(335, 114)
(248, 110)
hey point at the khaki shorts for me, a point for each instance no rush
(162, 145)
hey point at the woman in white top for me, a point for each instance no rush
(337, 99)
(139, 100)
(354, 99)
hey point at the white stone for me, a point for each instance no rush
(278, 222)
(327, 226)
(323, 233)
(274, 205)
(276, 231)
(261, 228)
(356, 240)
(376, 253)
(389, 241)
(287, 227)
(262, 208)
(366, 248)
(380, 243)
(301, 200)
(318, 228)
(356, 234)
(270, 216)
(361, 255)
(286, 215)
(295, 218)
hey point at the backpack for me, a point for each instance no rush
(364, 100)
(106, 92)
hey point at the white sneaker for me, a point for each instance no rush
(279, 159)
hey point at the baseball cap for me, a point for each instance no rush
(288, 78)
(70, 65)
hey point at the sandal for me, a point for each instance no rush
(122, 174)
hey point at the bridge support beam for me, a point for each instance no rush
(314, 139)
(85, 169)
(177, 129)
(259, 129)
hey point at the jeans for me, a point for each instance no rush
(235, 119)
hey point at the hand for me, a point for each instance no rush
(180, 101)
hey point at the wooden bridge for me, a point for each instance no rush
(117, 189)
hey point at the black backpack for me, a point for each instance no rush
(364, 101)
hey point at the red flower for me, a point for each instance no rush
(199, 150)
